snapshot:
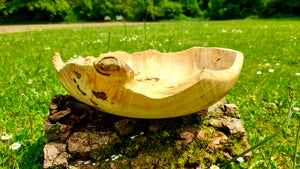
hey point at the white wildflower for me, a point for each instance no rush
(277, 64)
(214, 167)
(30, 81)
(224, 31)
(297, 74)
(271, 70)
(296, 108)
(15, 146)
(6, 137)
(239, 31)
(267, 64)
(240, 159)
(259, 72)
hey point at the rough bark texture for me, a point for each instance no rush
(80, 136)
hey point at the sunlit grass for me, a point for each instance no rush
(272, 62)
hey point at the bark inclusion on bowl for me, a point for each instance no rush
(150, 83)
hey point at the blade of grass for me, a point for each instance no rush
(170, 41)
(38, 65)
(145, 30)
(125, 31)
(296, 146)
(29, 117)
(270, 156)
(108, 41)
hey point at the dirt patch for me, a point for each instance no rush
(33, 27)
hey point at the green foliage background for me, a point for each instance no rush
(12, 11)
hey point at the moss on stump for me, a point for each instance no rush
(80, 136)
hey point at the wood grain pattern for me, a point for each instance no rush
(152, 84)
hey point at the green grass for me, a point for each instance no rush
(25, 68)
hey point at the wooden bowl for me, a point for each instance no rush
(151, 84)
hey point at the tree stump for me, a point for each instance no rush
(80, 136)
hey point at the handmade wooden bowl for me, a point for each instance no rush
(151, 84)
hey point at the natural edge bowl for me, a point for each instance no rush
(151, 84)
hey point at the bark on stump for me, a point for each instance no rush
(80, 136)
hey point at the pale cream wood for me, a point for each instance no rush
(151, 84)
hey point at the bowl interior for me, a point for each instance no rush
(163, 74)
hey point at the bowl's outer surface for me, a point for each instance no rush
(151, 84)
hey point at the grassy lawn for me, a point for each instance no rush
(272, 63)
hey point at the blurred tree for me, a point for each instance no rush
(12, 11)
(171, 9)
(232, 9)
(33, 11)
(280, 8)
(101, 8)
(84, 9)
(191, 8)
